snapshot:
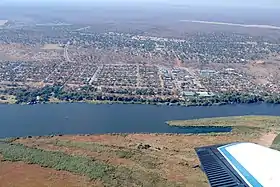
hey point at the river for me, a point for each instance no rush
(82, 118)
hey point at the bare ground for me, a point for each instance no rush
(19, 174)
(52, 47)
(267, 139)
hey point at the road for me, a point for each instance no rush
(233, 24)
(66, 56)
(94, 77)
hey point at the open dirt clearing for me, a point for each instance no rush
(19, 174)
(4, 56)
(52, 47)
(267, 139)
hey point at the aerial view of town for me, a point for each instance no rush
(139, 93)
(56, 61)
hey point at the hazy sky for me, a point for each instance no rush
(216, 3)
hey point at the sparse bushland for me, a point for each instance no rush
(94, 169)
(57, 160)
(276, 143)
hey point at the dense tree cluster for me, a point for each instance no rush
(235, 98)
(44, 94)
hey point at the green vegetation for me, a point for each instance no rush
(8, 140)
(7, 99)
(276, 143)
(250, 125)
(234, 121)
(233, 98)
(112, 176)
(56, 160)
(124, 154)
(86, 94)
(89, 94)
(95, 147)
(135, 155)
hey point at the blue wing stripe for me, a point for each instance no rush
(254, 182)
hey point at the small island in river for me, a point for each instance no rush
(125, 159)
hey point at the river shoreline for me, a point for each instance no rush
(55, 94)
(99, 102)
(84, 118)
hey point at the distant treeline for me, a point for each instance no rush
(235, 98)
(43, 95)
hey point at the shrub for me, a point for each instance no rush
(56, 160)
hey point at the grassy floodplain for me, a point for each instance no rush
(276, 143)
(109, 165)
(266, 128)
(260, 123)
(146, 160)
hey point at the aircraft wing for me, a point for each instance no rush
(240, 165)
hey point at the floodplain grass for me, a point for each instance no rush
(264, 122)
(95, 147)
(8, 140)
(56, 160)
(276, 143)
(125, 154)
(7, 99)
(277, 140)
(133, 154)
(112, 176)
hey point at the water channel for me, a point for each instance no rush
(82, 118)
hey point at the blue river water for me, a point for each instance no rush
(82, 118)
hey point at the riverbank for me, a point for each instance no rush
(133, 159)
(249, 124)
(56, 94)
(260, 121)
(82, 118)
(7, 99)
(13, 101)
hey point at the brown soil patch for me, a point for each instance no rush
(267, 139)
(18, 174)
(178, 62)
(52, 47)
(262, 70)
(185, 142)
(104, 139)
